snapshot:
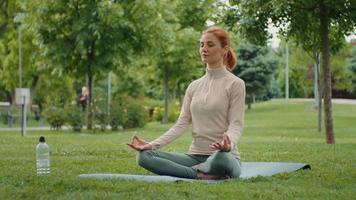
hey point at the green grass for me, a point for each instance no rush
(274, 131)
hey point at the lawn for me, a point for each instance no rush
(278, 130)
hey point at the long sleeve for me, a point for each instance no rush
(180, 126)
(236, 111)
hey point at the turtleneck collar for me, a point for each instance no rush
(216, 72)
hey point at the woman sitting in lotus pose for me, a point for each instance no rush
(214, 104)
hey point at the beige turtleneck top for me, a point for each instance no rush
(214, 104)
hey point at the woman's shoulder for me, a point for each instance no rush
(235, 80)
(195, 82)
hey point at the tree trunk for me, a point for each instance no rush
(249, 102)
(91, 57)
(165, 94)
(90, 85)
(324, 39)
(320, 91)
(317, 90)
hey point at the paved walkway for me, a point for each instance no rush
(337, 101)
(42, 128)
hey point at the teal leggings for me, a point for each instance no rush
(187, 166)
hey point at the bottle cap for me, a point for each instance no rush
(42, 139)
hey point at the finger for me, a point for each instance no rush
(218, 145)
(141, 141)
(213, 145)
(134, 138)
(133, 146)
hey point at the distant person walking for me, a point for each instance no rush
(82, 99)
(214, 104)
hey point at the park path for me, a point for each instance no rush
(45, 128)
(335, 100)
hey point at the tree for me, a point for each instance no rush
(314, 24)
(351, 65)
(177, 56)
(257, 67)
(89, 37)
(11, 21)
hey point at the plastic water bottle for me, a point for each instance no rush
(42, 157)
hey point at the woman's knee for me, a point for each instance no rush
(143, 157)
(221, 157)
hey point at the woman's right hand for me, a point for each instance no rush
(139, 144)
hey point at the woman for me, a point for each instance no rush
(214, 104)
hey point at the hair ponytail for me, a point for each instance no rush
(230, 59)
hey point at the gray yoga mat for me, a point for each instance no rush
(248, 170)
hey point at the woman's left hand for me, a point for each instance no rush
(224, 145)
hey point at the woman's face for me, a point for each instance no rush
(211, 51)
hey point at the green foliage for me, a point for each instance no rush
(53, 89)
(118, 116)
(295, 19)
(301, 70)
(257, 67)
(136, 114)
(301, 74)
(173, 111)
(55, 116)
(128, 112)
(341, 76)
(130, 81)
(75, 117)
(158, 113)
(100, 118)
(100, 108)
(351, 66)
(11, 22)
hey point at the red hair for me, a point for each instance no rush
(230, 57)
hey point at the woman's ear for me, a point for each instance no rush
(226, 49)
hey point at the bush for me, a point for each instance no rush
(118, 116)
(173, 111)
(150, 106)
(100, 118)
(75, 117)
(127, 112)
(158, 113)
(55, 116)
(136, 115)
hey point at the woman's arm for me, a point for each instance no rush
(180, 126)
(236, 111)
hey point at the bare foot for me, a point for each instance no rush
(203, 176)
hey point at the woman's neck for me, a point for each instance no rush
(215, 65)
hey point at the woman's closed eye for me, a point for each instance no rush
(209, 44)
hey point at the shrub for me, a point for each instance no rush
(118, 116)
(55, 116)
(127, 112)
(75, 117)
(173, 111)
(150, 106)
(100, 118)
(158, 113)
(136, 115)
